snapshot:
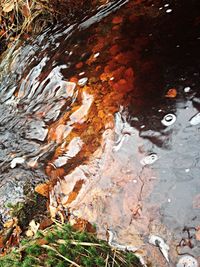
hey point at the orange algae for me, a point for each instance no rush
(114, 50)
(79, 65)
(117, 20)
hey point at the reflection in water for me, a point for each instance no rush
(110, 111)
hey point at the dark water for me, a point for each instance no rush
(84, 105)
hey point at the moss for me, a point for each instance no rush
(99, 261)
(58, 250)
(51, 262)
(34, 250)
(63, 249)
(29, 261)
(61, 264)
(51, 237)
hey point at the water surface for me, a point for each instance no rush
(85, 106)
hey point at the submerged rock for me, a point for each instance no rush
(17, 179)
(187, 261)
(17, 186)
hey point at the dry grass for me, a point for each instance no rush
(17, 16)
(22, 17)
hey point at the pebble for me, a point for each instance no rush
(82, 73)
(96, 55)
(148, 160)
(187, 261)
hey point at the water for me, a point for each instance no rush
(87, 106)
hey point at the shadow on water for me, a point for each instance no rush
(85, 106)
(174, 49)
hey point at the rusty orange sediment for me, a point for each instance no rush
(93, 177)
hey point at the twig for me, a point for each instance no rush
(107, 260)
(75, 242)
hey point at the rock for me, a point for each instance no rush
(36, 130)
(148, 160)
(187, 261)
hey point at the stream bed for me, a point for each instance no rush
(107, 111)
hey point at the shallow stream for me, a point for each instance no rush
(107, 110)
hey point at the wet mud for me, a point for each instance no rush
(107, 111)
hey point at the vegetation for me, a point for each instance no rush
(20, 19)
(35, 206)
(61, 246)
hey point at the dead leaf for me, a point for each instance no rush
(11, 223)
(172, 93)
(33, 228)
(29, 233)
(2, 241)
(83, 225)
(26, 11)
(45, 223)
(41, 242)
(9, 6)
(114, 50)
(42, 189)
(14, 237)
(79, 65)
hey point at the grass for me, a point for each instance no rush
(61, 246)
(23, 16)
